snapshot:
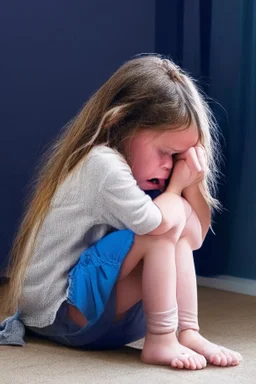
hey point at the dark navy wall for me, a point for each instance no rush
(54, 55)
(215, 41)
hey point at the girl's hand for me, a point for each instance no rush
(201, 155)
(189, 168)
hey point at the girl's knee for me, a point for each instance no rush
(166, 239)
(189, 227)
(143, 245)
(146, 243)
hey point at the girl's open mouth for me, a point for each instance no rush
(157, 183)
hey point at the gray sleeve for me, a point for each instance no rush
(125, 205)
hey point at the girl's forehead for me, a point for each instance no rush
(181, 139)
(178, 140)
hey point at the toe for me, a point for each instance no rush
(174, 362)
(185, 361)
(224, 361)
(229, 357)
(180, 364)
(199, 364)
(215, 359)
(239, 357)
(197, 361)
(235, 356)
(177, 363)
(192, 363)
(203, 361)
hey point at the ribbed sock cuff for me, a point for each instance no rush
(162, 322)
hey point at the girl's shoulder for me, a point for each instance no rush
(106, 158)
(104, 151)
(106, 166)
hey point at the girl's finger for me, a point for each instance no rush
(201, 157)
(193, 160)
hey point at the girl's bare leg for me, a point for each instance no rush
(189, 335)
(159, 299)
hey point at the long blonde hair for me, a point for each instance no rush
(146, 92)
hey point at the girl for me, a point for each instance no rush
(97, 263)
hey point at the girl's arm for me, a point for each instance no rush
(195, 198)
(186, 173)
(172, 209)
(192, 192)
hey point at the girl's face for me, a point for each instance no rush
(150, 154)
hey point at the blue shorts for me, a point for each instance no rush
(92, 289)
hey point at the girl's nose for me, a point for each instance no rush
(168, 162)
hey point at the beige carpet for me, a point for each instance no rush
(226, 318)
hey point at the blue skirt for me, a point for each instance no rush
(92, 289)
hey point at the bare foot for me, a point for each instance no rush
(213, 353)
(166, 350)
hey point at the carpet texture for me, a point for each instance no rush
(226, 318)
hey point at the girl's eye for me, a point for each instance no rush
(166, 153)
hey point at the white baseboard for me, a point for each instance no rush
(229, 283)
